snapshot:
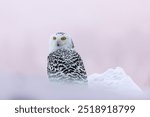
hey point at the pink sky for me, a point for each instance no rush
(107, 33)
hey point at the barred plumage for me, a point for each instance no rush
(64, 63)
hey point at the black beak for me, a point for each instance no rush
(58, 44)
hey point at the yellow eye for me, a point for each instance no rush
(63, 38)
(54, 38)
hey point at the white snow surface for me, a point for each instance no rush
(115, 80)
(112, 84)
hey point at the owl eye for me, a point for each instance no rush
(63, 38)
(54, 38)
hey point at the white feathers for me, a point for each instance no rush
(60, 40)
(63, 62)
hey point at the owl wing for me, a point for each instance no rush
(66, 65)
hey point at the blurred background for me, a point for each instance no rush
(106, 33)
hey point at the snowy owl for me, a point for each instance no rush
(63, 62)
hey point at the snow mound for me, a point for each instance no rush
(115, 80)
(112, 84)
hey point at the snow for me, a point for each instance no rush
(114, 80)
(112, 84)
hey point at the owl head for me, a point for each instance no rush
(60, 40)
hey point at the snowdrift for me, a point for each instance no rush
(112, 84)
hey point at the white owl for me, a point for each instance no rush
(64, 63)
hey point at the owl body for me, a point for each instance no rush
(64, 63)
